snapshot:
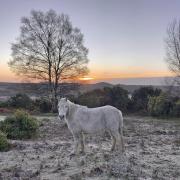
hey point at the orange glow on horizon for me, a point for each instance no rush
(128, 72)
(97, 74)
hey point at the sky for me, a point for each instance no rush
(125, 38)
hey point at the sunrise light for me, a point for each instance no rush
(86, 78)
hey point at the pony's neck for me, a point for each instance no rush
(72, 109)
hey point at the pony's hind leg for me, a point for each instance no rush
(118, 140)
(113, 142)
(122, 140)
(82, 142)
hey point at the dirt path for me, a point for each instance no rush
(152, 152)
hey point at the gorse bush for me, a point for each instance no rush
(43, 105)
(3, 104)
(140, 98)
(4, 145)
(161, 105)
(20, 101)
(19, 126)
(23, 101)
(115, 96)
(176, 109)
(92, 99)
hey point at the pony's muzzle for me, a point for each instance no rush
(61, 117)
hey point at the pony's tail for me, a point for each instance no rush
(120, 123)
(121, 130)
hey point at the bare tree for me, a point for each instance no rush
(49, 48)
(172, 43)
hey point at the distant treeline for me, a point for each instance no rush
(145, 100)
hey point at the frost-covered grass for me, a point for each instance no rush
(152, 152)
(39, 117)
(2, 118)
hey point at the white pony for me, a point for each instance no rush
(81, 119)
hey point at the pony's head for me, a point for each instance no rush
(63, 108)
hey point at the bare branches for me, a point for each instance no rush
(173, 47)
(49, 48)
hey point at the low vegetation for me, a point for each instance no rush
(19, 126)
(115, 96)
(42, 105)
(20, 101)
(145, 101)
(164, 106)
(4, 145)
(140, 98)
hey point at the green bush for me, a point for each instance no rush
(92, 99)
(115, 96)
(43, 105)
(3, 104)
(20, 101)
(140, 98)
(176, 109)
(161, 105)
(4, 145)
(19, 126)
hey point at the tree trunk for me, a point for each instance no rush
(55, 99)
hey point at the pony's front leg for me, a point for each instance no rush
(76, 137)
(82, 142)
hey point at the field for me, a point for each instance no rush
(152, 152)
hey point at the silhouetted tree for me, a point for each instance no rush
(49, 48)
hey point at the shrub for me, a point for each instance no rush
(4, 145)
(19, 126)
(161, 105)
(43, 104)
(92, 99)
(20, 101)
(176, 109)
(3, 104)
(151, 105)
(140, 98)
(115, 96)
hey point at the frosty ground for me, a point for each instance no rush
(152, 152)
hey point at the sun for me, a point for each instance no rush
(86, 78)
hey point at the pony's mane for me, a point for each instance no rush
(77, 105)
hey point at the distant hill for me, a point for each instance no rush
(144, 81)
(90, 87)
